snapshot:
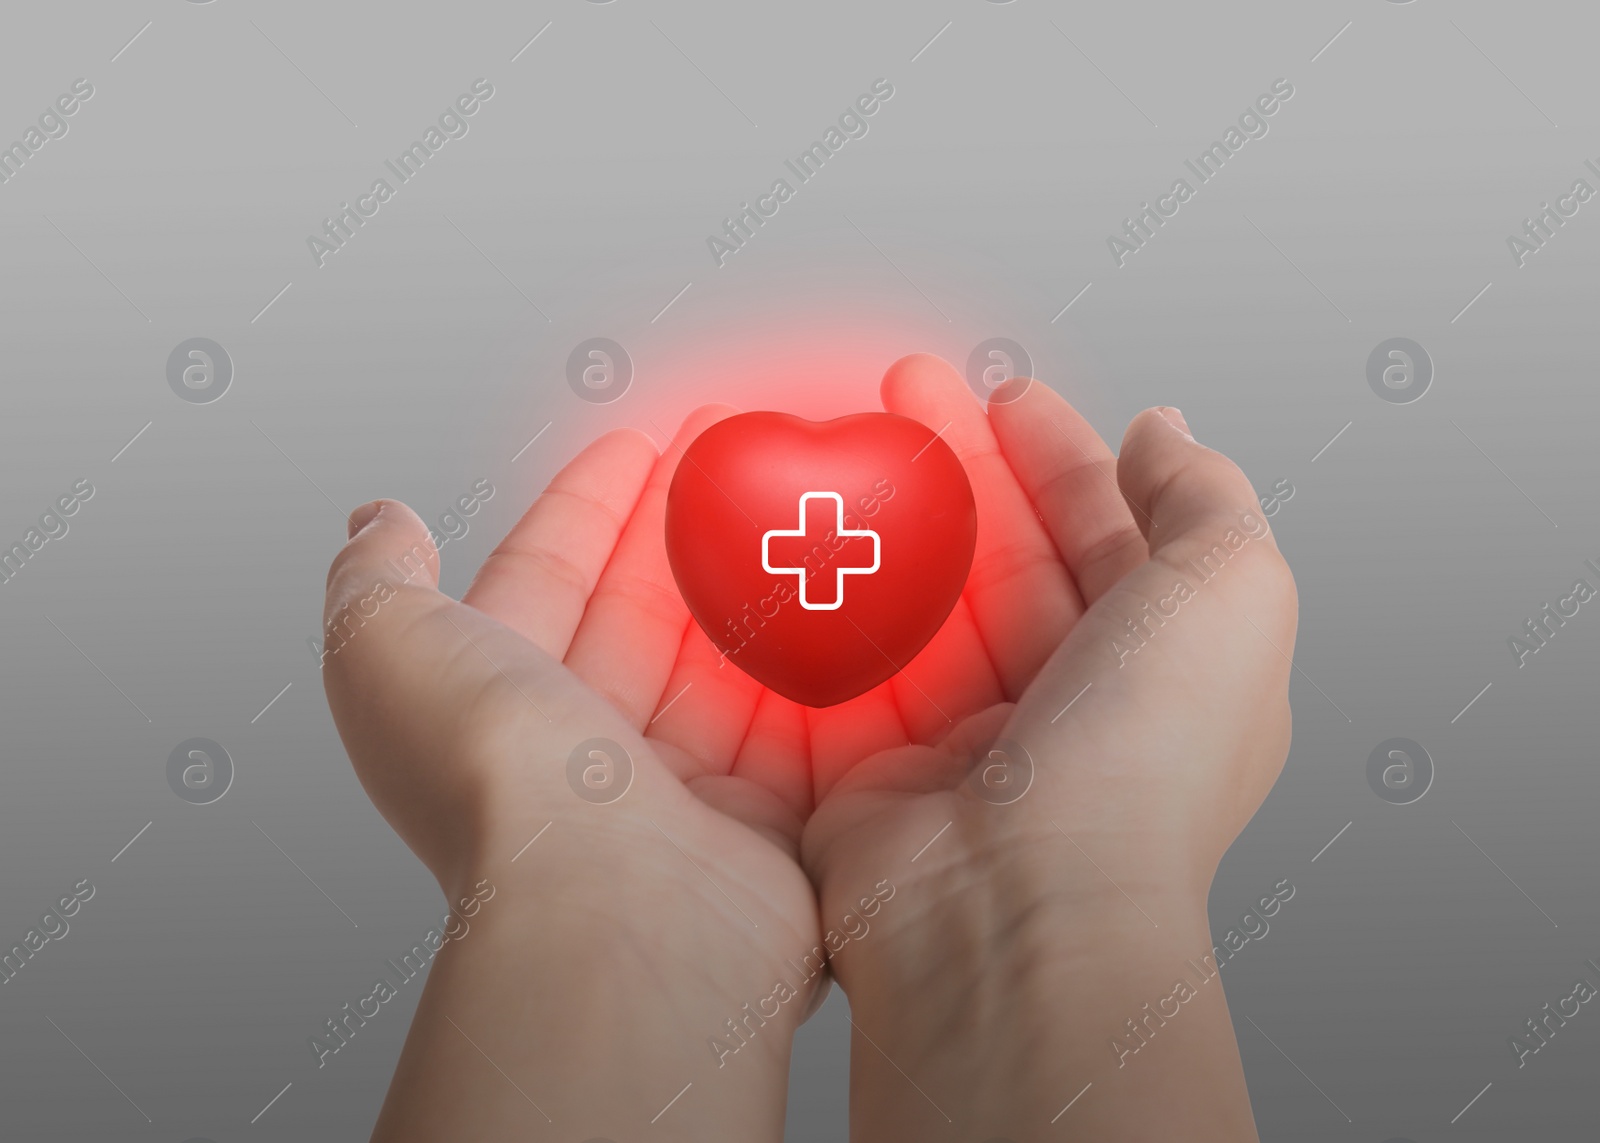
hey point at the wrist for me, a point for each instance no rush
(595, 987)
(1027, 904)
(1000, 995)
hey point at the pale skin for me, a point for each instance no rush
(987, 992)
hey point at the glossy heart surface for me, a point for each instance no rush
(820, 557)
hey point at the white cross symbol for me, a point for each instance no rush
(838, 530)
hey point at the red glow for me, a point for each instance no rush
(893, 479)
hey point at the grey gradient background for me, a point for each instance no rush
(416, 362)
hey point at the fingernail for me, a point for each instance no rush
(361, 517)
(1175, 419)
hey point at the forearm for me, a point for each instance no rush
(1096, 1026)
(553, 1019)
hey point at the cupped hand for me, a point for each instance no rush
(631, 918)
(1147, 752)
(1128, 624)
(1051, 784)
(460, 716)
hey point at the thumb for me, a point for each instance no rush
(390, 564)
(388, 541)
(1176, 484)
(383, 608)
(409, 671)
(1199, 514)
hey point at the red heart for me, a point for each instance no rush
(901, 557)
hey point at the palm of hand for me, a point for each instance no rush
(1140, 786)
(576, 616)
(585, 576)
(764, 761)
(460, 718)
(573, 629)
